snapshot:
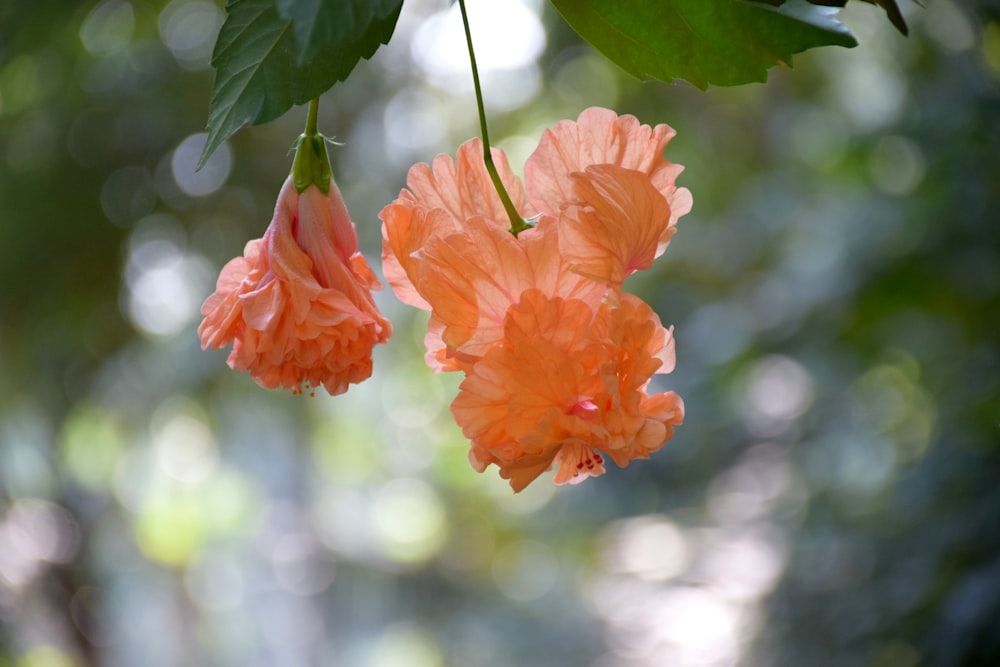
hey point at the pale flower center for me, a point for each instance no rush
(584, 408)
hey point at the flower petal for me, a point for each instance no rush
(617, 227)
(406, 227)
(470, 279)
(439, 199)
(323, 226)
(564, 382)
(222, 310)
(463, 187)
(599, 136)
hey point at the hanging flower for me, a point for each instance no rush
(605, 205)
(297, 306)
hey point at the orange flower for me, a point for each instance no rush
(297, 306)
(605, 205)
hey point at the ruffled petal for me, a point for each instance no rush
(222, 310)
(550, 271)
(510, 393)
(323, 228)
(406, 228)
(599, 136)
(438, 201)
(463, 187)
(471, 279)
(661, 413)
(617, 227)
(565, 382)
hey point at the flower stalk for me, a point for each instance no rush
(517, 223)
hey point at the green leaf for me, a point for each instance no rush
(720, 42)
(316, 24)
(259, 75)
(891, 10)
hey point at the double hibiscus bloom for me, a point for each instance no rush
(557, 357)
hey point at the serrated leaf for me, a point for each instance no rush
(719, 42)
(259, 76)
(316, 24)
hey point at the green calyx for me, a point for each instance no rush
(312, 164)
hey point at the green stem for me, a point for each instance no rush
(311, 118)
(311, 165)
(517, 223)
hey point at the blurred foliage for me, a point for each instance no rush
(831, 500)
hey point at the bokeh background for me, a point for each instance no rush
(832, 499)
